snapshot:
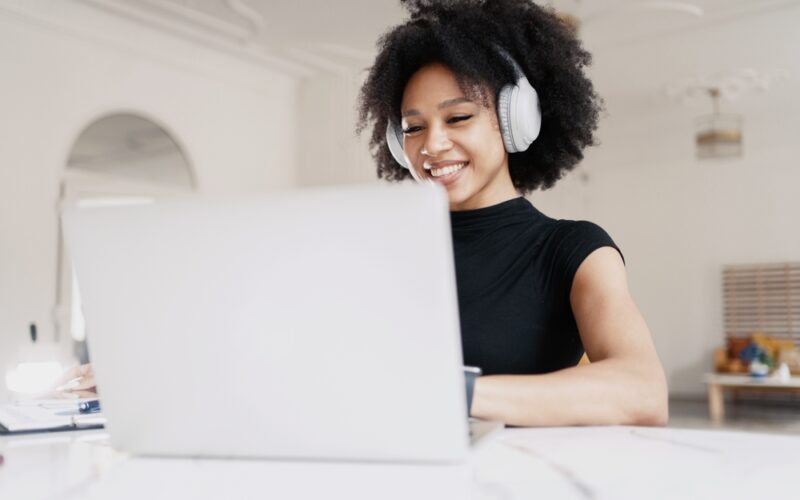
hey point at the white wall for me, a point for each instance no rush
(328, 151)
(63, 66)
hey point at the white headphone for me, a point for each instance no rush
(517, 109)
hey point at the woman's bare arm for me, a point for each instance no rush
(623, 384)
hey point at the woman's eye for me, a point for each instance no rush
(460, 118)
(411, 130)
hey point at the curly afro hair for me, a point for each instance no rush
(464, 35)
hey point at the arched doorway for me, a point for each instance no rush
(120, 158)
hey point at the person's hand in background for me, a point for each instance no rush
(77, 382)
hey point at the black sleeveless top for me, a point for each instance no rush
(514, 272)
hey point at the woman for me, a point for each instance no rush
(534, 292)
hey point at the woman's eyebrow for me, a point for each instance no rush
(453, 102)
(443, 104)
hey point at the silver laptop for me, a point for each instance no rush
(316, 323)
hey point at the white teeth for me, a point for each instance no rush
(438, 172)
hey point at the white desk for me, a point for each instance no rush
(569, 463)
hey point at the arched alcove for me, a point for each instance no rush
(130, 148)
(119, 158)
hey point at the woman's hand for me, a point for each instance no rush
(77, 382)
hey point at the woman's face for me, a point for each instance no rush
(454, 141)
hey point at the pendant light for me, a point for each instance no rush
(718, 135)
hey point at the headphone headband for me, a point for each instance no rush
(518, 73)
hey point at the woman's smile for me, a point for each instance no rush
(446, 173)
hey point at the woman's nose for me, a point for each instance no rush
(436, 142)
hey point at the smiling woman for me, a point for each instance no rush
(490, 100)
(454, 141)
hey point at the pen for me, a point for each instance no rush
(70, 384)
(92, 406)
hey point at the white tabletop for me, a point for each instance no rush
(569, 463)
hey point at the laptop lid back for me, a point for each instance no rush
(318, 323)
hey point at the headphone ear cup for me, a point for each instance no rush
(394, 139)
(519, 115)
(504, 115)
(526, 116)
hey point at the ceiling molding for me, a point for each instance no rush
(198, 28)
(339, 50)
(253, 17)
(318, 61)
(240, 31)
(184, 14)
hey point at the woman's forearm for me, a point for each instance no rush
(608, 392)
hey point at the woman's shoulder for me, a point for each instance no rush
(568, 229)
(571, 241)
(566, 239)
(581, 237)
(578, 229)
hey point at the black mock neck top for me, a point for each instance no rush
(514, 272)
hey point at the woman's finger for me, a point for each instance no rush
(77, 378)
(84, 383)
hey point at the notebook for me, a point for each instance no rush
(47, 415)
